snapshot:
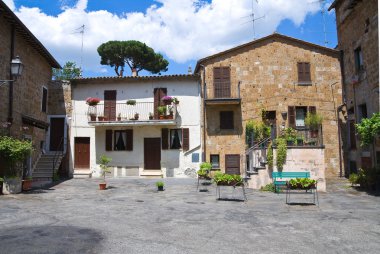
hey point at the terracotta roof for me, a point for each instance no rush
(269, 37)
(27, 34)
(137, 78)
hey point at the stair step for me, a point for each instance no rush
(82, 174)
(151, 173)
(259, 168)
(252, 172)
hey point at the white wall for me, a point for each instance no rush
(189, 117)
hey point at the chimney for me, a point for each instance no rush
(134, 72)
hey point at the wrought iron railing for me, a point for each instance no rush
(223, 90)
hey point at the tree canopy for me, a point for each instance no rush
(135, 54)
(69, 71)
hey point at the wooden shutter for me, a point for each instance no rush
(232, 162)
(291, 116)
(158, 93)
(300, 73)
(222, 82)
(110, 105)
(129, 146)
(303, 72)
(312, 109)
(44, 99)
(226, 120)
(108, 140)
(185, 139)
(165, 138)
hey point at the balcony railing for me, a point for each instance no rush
(222, 91)
(141, 111)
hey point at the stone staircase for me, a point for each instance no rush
(43, 171)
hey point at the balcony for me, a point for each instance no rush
(222, 93)
(121, 114)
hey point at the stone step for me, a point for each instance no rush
(151, 174)
(82, 174)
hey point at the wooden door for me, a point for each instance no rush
(110, 105)
(82, 153)
(158, 94)
(57, 132)
(152, 153)
(232, 164)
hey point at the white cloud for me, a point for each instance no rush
(10, 4)
(182, 30)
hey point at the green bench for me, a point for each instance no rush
(278, 178)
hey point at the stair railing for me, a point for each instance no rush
(57, 154)
(263, 141)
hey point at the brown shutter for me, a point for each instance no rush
(185, 139)
(222, 82)
(129, 146)
(232, 164)
(300, 72)
(292, 116)
(312, 110)
(306, 72)
(110, 105)
(108, 140)
(165, 138)
(158, 93)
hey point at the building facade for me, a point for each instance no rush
(24, 101)
(130, 127)
(358, 42)
(283, 77)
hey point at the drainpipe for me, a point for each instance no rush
(204, 112)
(10, 96)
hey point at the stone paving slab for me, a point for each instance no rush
(132, 217)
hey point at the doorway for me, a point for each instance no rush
(152, 153)
(82, 153)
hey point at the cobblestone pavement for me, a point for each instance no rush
(132, 217)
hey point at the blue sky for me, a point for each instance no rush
(183, 31)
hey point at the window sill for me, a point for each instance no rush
(307, 83)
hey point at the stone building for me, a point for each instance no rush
(286, 78)
(358, 42)
(24, 102)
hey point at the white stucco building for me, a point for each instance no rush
(143, 146)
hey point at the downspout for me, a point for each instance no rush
(344, 99)
(10, 97)
(204, 111)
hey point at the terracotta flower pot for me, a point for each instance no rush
(26, 184)
(102, 186)
(101, 118)
(119, 118)
(162, 117)
(93, 118)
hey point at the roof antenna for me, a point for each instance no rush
(323, 12)
(253, 19)
(80, 30)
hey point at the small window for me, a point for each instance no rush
(300, 116)
(226, 120)
(304, 77)
(358, 59)
(214, 159)
(362, 111)
(176, 139)
(44, 99)
(120, 140)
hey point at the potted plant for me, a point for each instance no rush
(167, 100)
(131, 102)
(160, 185)
(204, 171)
(290, 135)
(136, 116)
(150, 116)
(92, 101)
(103, 163)
(175, 100)
(93, 117)
(313, 121)
(119, 117)
(100, 117)
(222, 179)
(27, 183)
(171, 113)
(302, 183)
(300, 140)
(161, 111)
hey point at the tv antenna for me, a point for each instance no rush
(253, 19)
(80, 30)
(323, 12)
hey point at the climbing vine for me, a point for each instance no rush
(270, 155)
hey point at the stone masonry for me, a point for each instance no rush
(267, 72)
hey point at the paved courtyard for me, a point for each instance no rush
(132, 217)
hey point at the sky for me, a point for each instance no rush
(183, 31)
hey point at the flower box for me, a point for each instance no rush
(91, 101)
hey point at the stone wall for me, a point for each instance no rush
(358, 27)
(59, 102)
(267, 73)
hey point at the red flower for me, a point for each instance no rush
(92, 101)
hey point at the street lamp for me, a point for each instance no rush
(16, 70)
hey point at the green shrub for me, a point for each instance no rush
(281, 153)
(368, 129)
(103, 162)
(353, 178)
(131, 102)
(221, 178)
(206, 166)
(270, 155)
(269, 187)
(160, 184)
(259, 130)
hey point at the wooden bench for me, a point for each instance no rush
(278, 178)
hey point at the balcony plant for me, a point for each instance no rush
(136, 116)
(131, 102)
(290, 135)
(150, 116)
(161, 111)
(92, 101)
(103, 163)
(160, 186)
(167, 100)
(119, 117)
(313, 121)
(100, 117)
(222, 179)
(175, 100)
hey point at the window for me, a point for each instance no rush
(226, 120)
(222, 82)
(358, 59)
(214, 159)
(44, 99)
(119, 140)
(304, 77)
(362, 112)
(176, 139)
(300, 116)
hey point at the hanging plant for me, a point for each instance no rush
(281, 153)
(368, 129)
